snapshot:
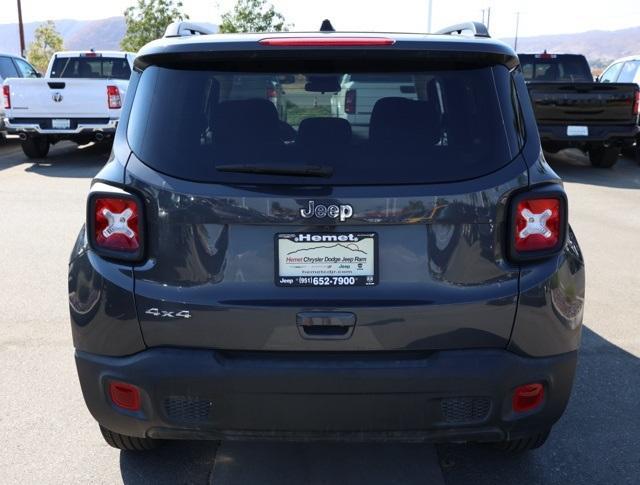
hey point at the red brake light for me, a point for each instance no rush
(125, 396)
(327, 41)
(350, 101)
(527, 397)
(272, 92)
(116, 224)
(545, 55)
(113, 97)
(636, 104)
(538, 224)
(6, 94)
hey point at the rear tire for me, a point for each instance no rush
(524, 444)
(602, 157)
(36, 147)
(127, 443)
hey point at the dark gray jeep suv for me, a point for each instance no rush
(406, 274)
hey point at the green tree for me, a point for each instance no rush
(253, 16)
(148, 20)
(45, 43)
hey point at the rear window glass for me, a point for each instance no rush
(564, 68)
(360, 128)
(91, 68)
(628, 72)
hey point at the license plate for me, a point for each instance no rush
(60, 124)
(326, 259)
(577, 130)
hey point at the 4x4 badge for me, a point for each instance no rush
(342, 211)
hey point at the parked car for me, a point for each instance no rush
(359, 93)
(625, 70)
(12, 66)
(420, 284)
(574, 111)
(79, 99)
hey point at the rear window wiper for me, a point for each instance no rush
(278, 169)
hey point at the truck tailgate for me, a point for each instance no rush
(50, 98)
(601, 103)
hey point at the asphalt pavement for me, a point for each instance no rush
(48, 436)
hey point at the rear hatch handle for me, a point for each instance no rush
(326, 325)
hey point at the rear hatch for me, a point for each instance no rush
(561, 102)
(305, 234)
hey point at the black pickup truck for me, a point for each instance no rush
(574, 111)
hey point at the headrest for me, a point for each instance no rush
(324, 131)
(400, 120)
(246, 121)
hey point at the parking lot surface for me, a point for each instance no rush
(48, 436)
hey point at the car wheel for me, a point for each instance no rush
(127, 443)
(36, 147)
(523, 444)
(602, 157)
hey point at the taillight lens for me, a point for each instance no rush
(636, 104)
(113, 97)
(538, 224)
(115, 225)
(6, 95)
(350, 102)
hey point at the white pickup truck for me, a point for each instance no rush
(79, 99)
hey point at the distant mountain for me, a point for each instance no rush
(77, 34)
(599, 46)
(103, 34)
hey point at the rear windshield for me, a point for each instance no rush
(553, 68)
(91, 68)
(335, 127)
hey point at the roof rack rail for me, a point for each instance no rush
(476, 29)
(181, 29)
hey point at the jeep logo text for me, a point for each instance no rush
(342, 211)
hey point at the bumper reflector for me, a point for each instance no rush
(125, 396)
(527, 397)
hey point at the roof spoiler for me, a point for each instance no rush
(182, 29)
(473, 29)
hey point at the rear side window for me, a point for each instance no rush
(91, 68)
(554, 68)
(611, 74)
(26, 69)
(7, 69)
(367, 127)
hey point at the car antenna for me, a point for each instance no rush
(326, 26)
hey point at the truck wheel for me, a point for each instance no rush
(602, 157)
(36, 147)
(524, 444)
(127, 443)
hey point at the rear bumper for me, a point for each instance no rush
(619, 134)
(439, 396)
(41, 126)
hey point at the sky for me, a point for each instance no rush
(537, 17)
